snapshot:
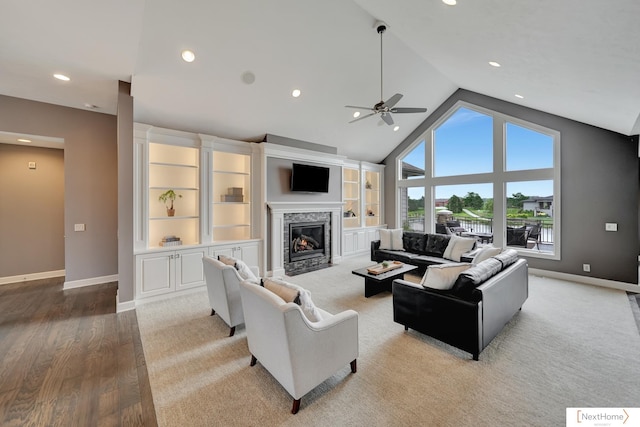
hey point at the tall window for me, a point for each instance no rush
(497, 177)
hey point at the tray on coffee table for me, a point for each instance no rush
(379, 269)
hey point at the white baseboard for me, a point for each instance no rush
(141, 301)
(91, 281)
(623, 286)
(125, 306)
(31, 276)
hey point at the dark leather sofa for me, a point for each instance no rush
(421, 250)
(471, 314)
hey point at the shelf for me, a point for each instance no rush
(230, 226)
(176, 165)
(232, 173)
(172, 218)
(174, 188)
(231, 203)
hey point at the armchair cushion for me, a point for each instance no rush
(245, 271)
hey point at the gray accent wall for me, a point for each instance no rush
(32, 212)
(90, 182)
(599, 185)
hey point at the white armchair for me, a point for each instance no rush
(298, 353)
(224, 291)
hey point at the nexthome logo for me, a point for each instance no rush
(603, 417)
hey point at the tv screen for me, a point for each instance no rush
(309, 179)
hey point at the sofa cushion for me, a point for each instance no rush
(457, 246)
(303, 297)
(507, 257)
(443, 276)
(388, 255)
(485, 253)
(436, 244)
(413, 242)
(391, 239)
(470, 279)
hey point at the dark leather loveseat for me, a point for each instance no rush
(421, 250)
(482, 301)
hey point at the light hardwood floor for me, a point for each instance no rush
(67, 358)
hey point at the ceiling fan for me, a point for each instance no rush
(385, 108)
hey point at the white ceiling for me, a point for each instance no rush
(575, 58)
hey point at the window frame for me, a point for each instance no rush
(499, 176)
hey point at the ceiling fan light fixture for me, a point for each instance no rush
(356, 114)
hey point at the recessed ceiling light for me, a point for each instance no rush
(395, 129)
(188, 55)
(519, 96)
(356, 114)
(23, 140)
(295, 93)
(248, 77)
(449, 2)
(494, 64)
(61, 77)
(91, 106)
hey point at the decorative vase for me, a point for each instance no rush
(171, 211)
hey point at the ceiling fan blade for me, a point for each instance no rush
(393, 100)
(408, 110)
(387, 118)
(358, 108)
(362, 117)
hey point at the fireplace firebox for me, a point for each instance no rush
(306, 240)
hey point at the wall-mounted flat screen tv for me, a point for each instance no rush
(309, 179)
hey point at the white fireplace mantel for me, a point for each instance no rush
(278, 209)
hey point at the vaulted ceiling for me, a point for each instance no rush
(575, 58)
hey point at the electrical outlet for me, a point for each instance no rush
(586, 267)
(78, 227)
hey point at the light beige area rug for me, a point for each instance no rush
(572, 345)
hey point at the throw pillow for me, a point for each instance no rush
(303, 299)
(476, 275)
(227, 260)
(507, 257)
(457, 246)
(287, 293)
(245, 272)
(443, 276)
(485, 253)
(391, 239)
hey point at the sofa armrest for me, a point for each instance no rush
(375, 245)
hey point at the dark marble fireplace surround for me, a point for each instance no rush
(298, 266)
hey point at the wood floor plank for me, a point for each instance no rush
(66, 358)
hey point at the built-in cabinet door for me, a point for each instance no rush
(247, 252)
(349, 243)
(189, 268)
(155, 274)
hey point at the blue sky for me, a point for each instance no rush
(463, 145)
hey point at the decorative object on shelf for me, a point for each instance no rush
(370, 213)
(234, 194)
(349, 214)
(170, 241)
(368, 185)
(169, 196)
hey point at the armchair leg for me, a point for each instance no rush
(476, 356)
(296, 406)
(213, 312)
(232, 331)
(253, 360)
(406, 328)
(354, 367)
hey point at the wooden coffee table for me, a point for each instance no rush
(376, 283)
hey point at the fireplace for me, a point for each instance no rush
(306, 240)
